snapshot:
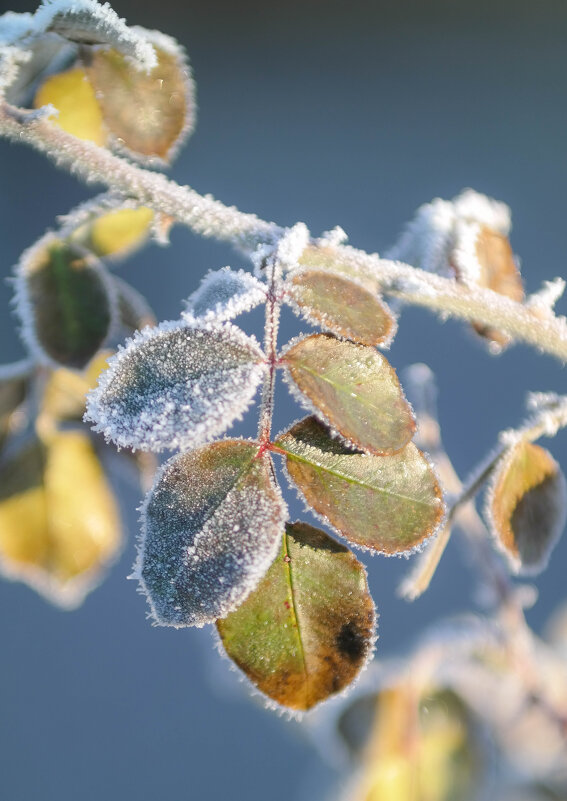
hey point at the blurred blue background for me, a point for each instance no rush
(331, 113)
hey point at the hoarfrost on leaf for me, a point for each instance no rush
(308, 629)
(89, 22)
(224, 294)
(176, 386)
(390, 504)
(211, 528)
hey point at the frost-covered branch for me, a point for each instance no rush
(528, 323)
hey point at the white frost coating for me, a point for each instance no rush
(176, 386)
(224, 294)
(463, 256)
(212, 525)
(442, 230)
(544, 300)
(291, 245)
(336, 236)
(15, 27)
(89, 21)
(474, 206)
(11, 59)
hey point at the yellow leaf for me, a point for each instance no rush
(119, 232)
(59, 524)
(73, 96)
(65, 390)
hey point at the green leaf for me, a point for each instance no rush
(65, 301)
(527, 506)
(389, 504)
(211, 527)
(340, 305)
(354, 389)
(308, 629)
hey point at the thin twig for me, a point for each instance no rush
(211, 218)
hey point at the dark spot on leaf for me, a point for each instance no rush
(351, 642)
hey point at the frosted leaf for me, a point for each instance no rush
(465, 239)
(148, 115)
(308, 629)
(340, 305)
(176, 386)
(211, 528)
(429, 237)
(223, 294)
(389, 504)
(89, 22)
(527, 506)
(66, 302)
(353, 388)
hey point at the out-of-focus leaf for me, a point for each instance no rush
(147, 113)
(224, 294)
(59, 525)
(527, 506)
(425, 753)
(119, 232)
(354, 389)
(499, 272)
(74, 98)
(340, 305)
(14, 385)
(176, 386)
(134, 312)
(387, 503)
(65, 301)
(308, 629)
(65, 393)
(211, 528)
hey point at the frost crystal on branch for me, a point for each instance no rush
(176, 386)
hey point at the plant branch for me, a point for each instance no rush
(211, 218)
(273, 308)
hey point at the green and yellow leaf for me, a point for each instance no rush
(419, 750)
(308, 629)
(340, 305)
(354, 389)
(389, 504)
